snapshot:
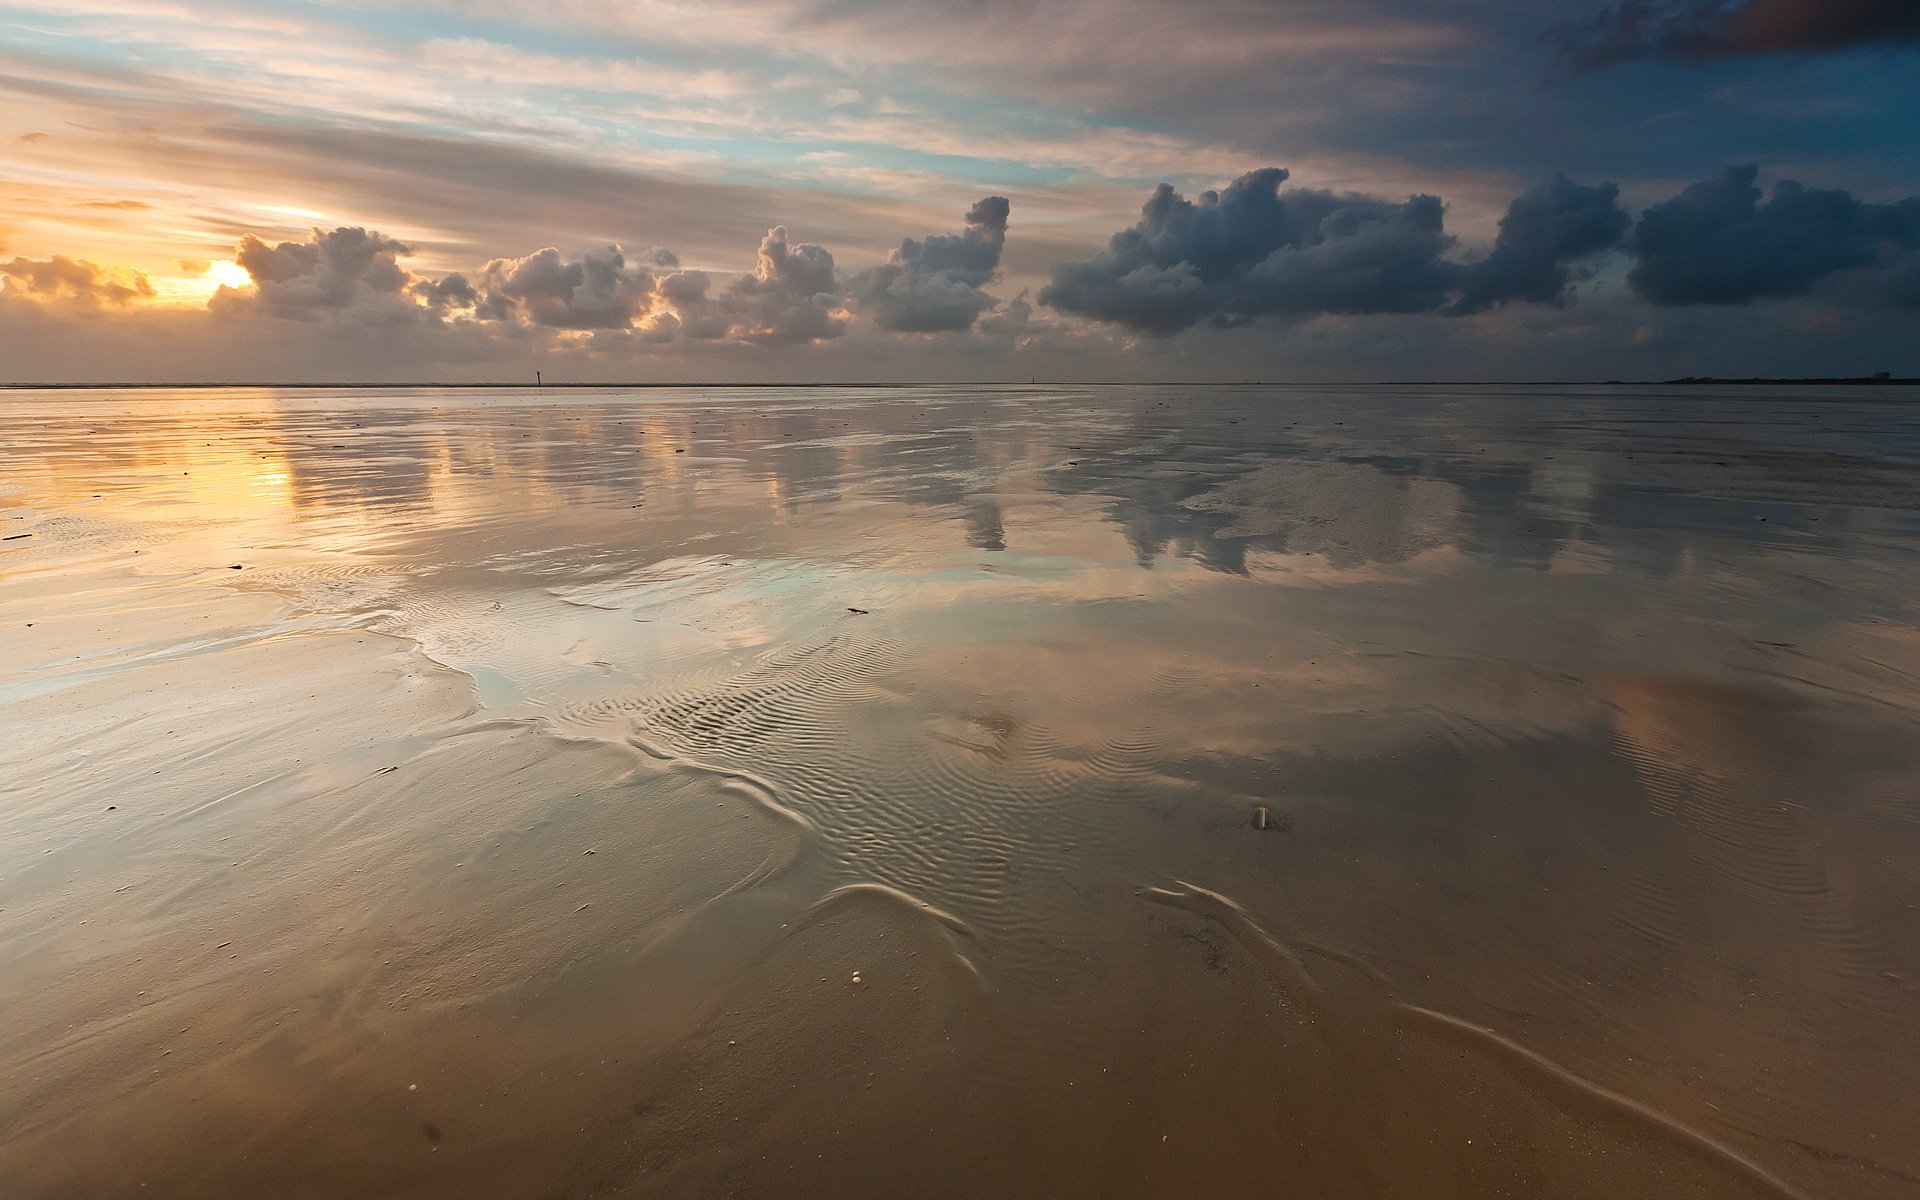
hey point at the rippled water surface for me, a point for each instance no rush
(1120, 792)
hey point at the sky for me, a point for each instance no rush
(957, 190)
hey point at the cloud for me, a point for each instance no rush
(792, 295)
(686, 288)
(1248, 251)
(1141, 58)
(1700, 30)
(597, 290)
(1717, 242)
(451, 291)
(934, 285)
(1252, 250)
(354, 274)
(694, 312)
(1545, 230)
(71, 283)
(346, 273)
(1011, 321)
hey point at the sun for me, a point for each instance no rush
(197, 281)
(227, 273)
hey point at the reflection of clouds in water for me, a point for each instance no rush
(1563, 488)
(1351, 514)
(985, 529)
(1212, 475)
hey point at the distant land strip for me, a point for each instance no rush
(1849, 381)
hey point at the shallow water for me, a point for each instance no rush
(1159, 792)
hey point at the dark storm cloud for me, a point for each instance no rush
(934, 285)
(1545, 231)
(1740, 28)
(1717, 242)
(1247, 251)
(346, 272)
(73, 283)
(792, 295)
(1251, 251)
(597, 290)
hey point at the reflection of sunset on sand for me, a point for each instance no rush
(853, 792)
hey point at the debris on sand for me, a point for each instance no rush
(857, 611)
(1268, 821)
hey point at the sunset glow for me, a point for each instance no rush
(595, 188)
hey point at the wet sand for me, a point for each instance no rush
(1135, 792)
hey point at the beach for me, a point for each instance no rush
(1042, 791)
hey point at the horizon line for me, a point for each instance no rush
(500, 385)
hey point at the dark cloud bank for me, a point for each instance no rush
(1699, 31)
(1251, 250)
(1718, 242)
